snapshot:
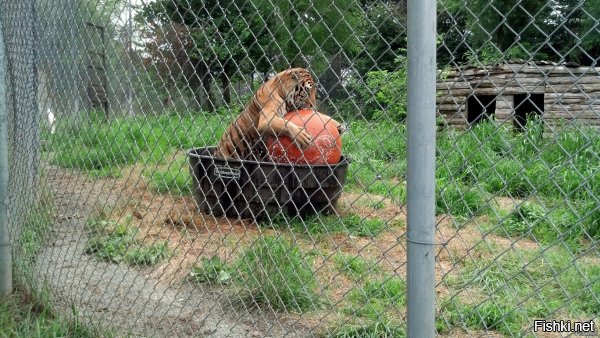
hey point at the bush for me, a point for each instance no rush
(382, 95)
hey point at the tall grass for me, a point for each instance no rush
(24, 316)
(276, 273)
(494, 159)
(96, 145)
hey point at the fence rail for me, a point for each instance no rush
(468, 206)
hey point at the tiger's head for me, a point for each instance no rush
(298, 88)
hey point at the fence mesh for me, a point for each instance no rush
(107, 98)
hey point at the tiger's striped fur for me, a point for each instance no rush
(291, 89)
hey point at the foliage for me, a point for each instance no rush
(212, 270)
(383, 94)
(534, 30)
(383, 35)
(114, 242)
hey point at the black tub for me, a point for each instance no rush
(249, 189)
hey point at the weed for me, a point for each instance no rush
(355, 266)
(540, 282)
(114, 242)
(523, 220)
(147, 254)
(591, 219)
(213, 270)
(99, 147)
(390, 289)
(277, 273)
(377, 205)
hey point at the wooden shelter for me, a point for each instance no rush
(515, 91)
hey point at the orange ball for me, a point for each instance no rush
(326, 145)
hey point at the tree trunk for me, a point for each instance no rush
(332, 78)
(226, 82)
(201, 82)
(208, 102)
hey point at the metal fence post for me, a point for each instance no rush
(421, 167)
(5, 250)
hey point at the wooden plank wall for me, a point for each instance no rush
(571, 94)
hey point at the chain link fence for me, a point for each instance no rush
(106, 98)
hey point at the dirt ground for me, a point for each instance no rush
(161, 301)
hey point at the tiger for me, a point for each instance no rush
(289, 90)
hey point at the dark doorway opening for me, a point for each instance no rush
(527, 107)
(480, 108)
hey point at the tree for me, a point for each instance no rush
(382, 35)
(243, 37)
(451, 26)
(590, 32)
(510, 24)
(222, 45)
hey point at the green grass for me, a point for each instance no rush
(519, 164)
(99, 147)
(518, 285)
(175, 179)
(23, 316)
(378, 153)
(277, 273)
(523, 220)
(377, 297)
(354, 266)
(318, 224)
(491, 315)
(550, 223)
(493, 159)
(116, 243)
(459, 200)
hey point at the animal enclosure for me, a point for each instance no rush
(492, 200)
